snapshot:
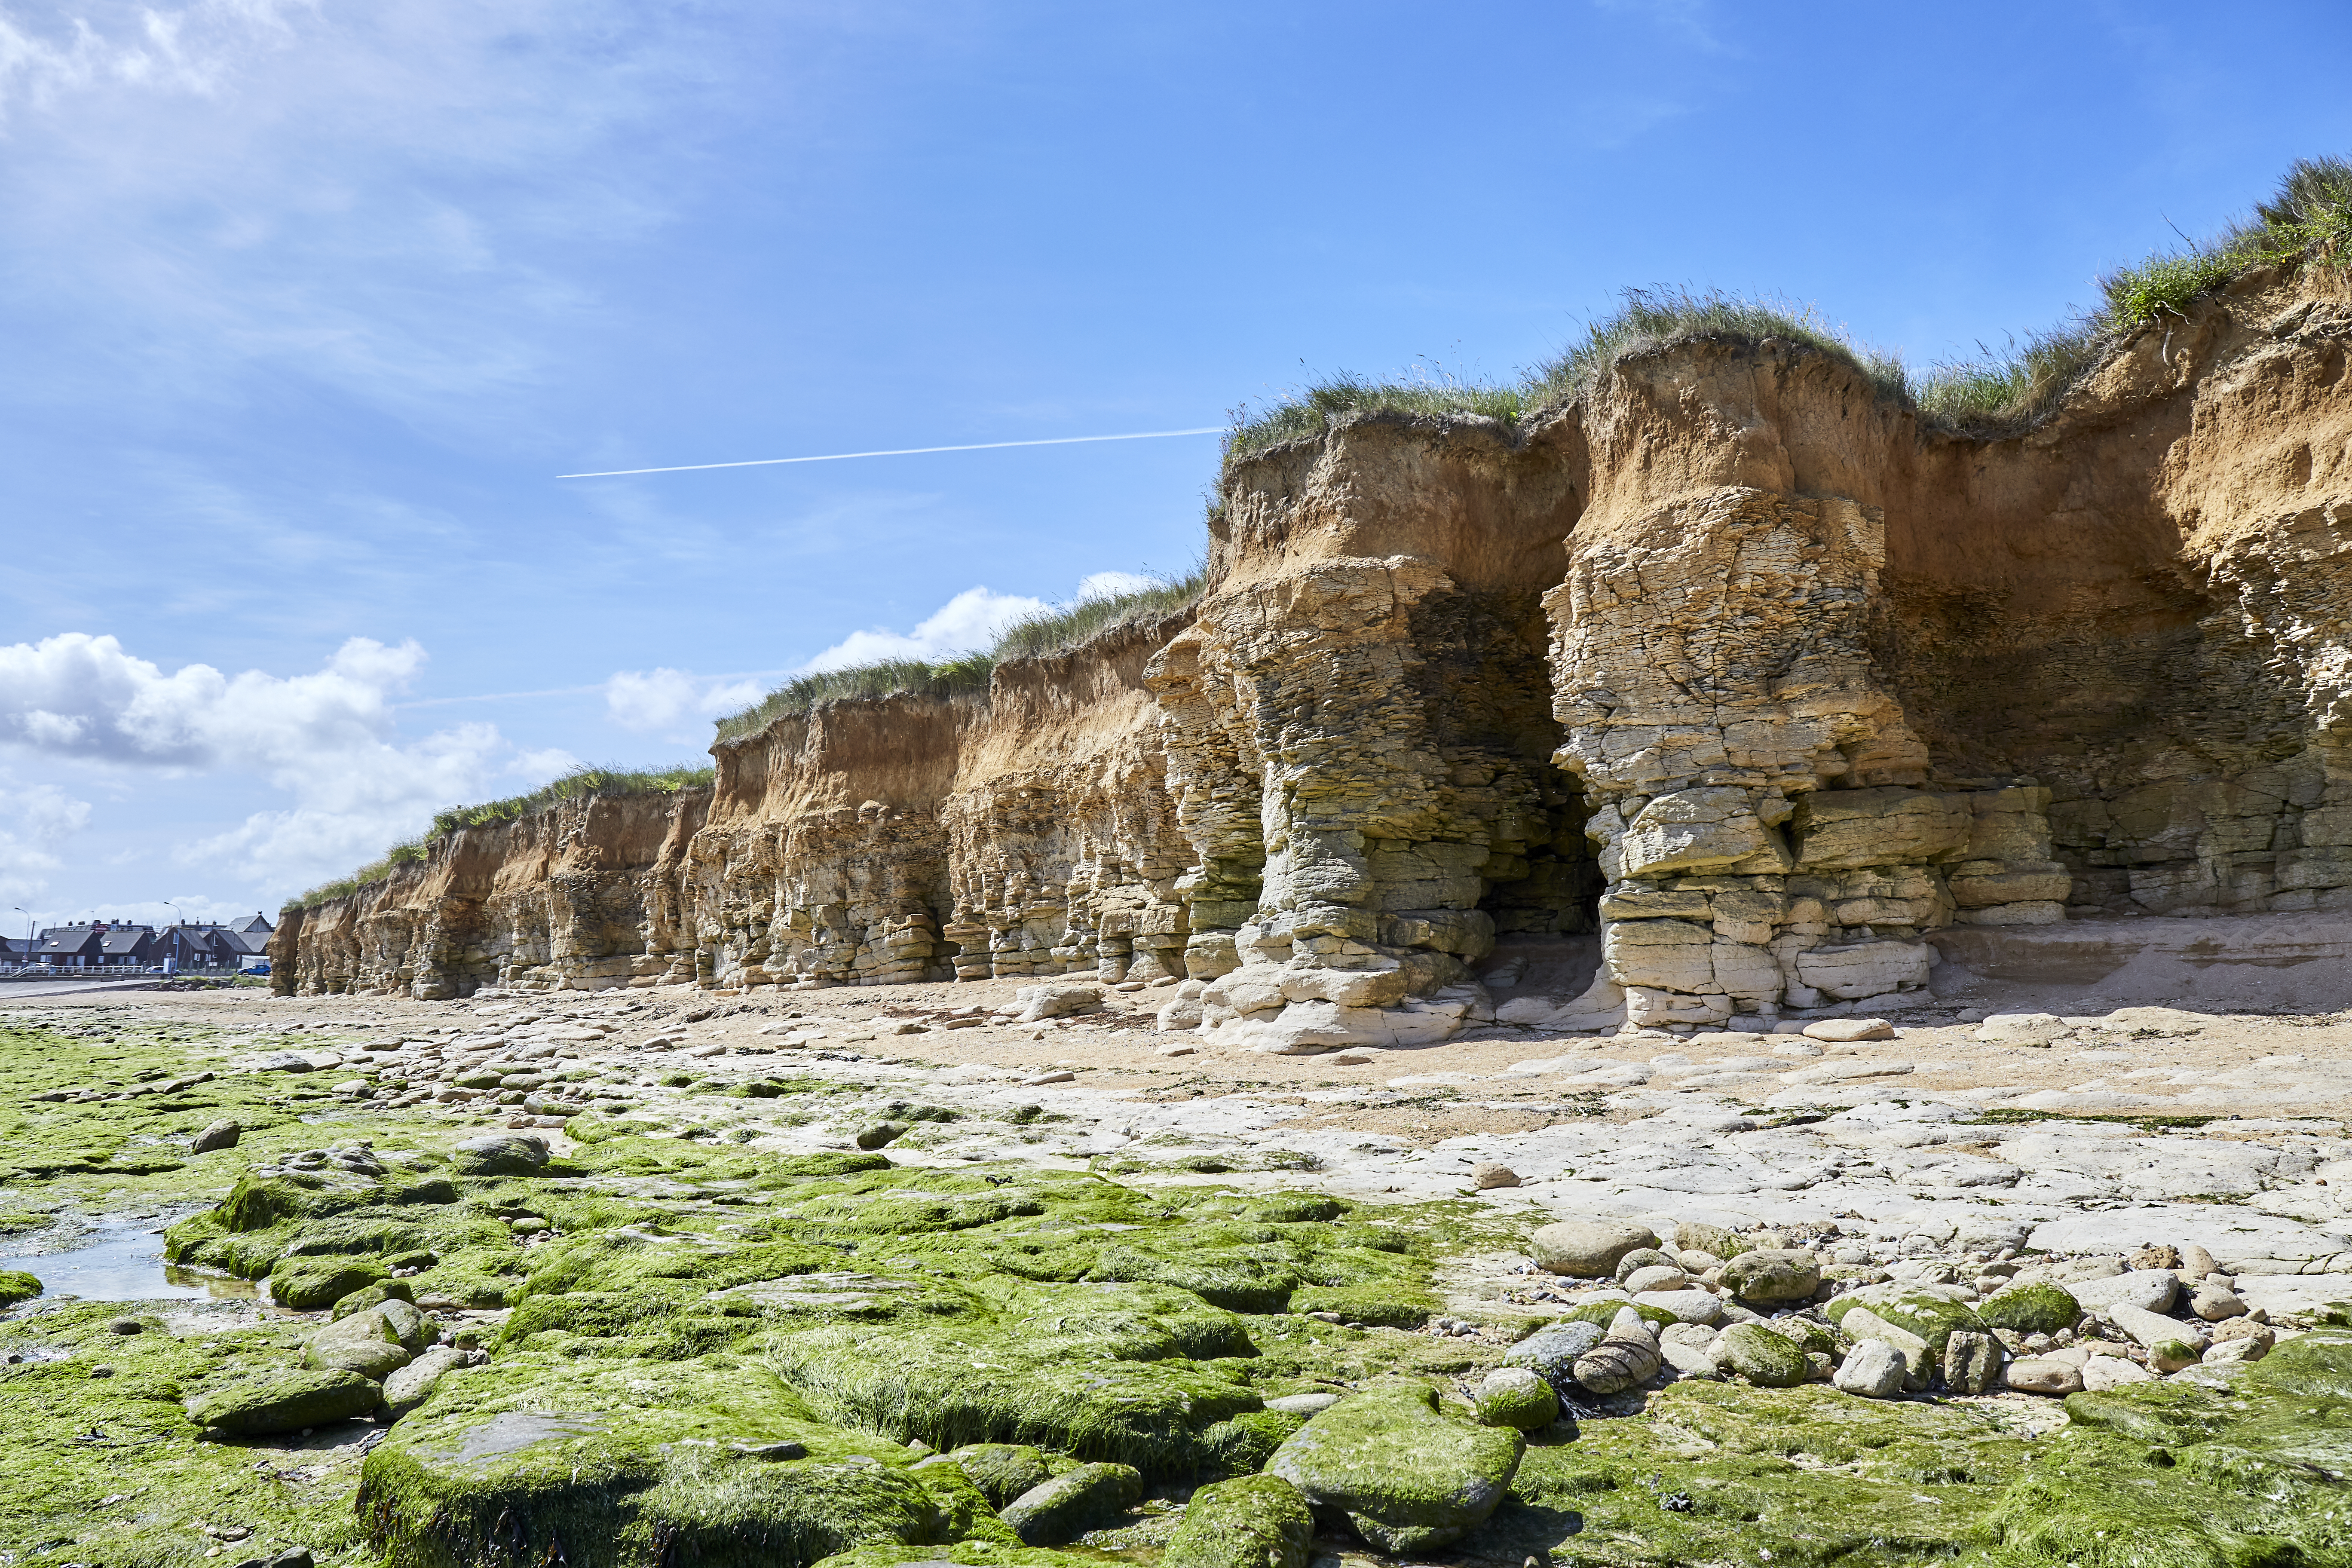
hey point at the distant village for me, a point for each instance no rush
(140, 950)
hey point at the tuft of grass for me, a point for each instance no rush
(580, 780)
(1038, 635)
(1646, 319)
(2307, 221)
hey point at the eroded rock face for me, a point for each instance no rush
(1730, 664)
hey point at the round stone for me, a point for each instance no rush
(1515, 1397)
(1587, 1249)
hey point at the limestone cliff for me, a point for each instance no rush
(1729, 663)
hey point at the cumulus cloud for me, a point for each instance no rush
(969, 623)
(328, 737)
(1111, 584)
(661, 699)
(39, 818)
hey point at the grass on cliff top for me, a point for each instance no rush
(1999, 393)
(1039, 636)
(580, 780)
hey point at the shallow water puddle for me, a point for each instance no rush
(126, 1264)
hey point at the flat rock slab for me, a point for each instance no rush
(1407, 1478)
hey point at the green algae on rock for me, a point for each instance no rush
(284, 1401)
(1250, 1521)
(1933, 1318)
(1059, 1510)
(1406, 1476)
(2035, 1308)
(18, 1287)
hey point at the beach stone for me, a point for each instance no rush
(1861, 1323)
(310, 1284)
(1762, 1357)
(1873, 1369)
(272, 1402)
(1250, 1521)
(2149, 1289)
(1003, 1471)
(1846, 1031)
(1515, 1397)
(2246, 1328)
(2170, 1343)
(1932, 1317)
(501, 1154)
(2153, 1257)
(367, 1295)
(1694, 1235)
(2214, 1303)
(413, 1385)
(2036, 1309)
(1686, 1306)
(2198, 1263)
(1070, 1504)
(1303, 1403)
(1587, 1249)
(1489, 1175)
(17, 1286)
(2040, 1374)
(1625, 1356)
(881, 1134)
(222, 1134)
(1971, 1362)
(2237, 1352)
(2104, 1374)
(1772, 1275)
(1655, 1276)
(1642, 1257)
(1551, 1351)
(1039, 1003)
(1407, 1476)
(365, 1344)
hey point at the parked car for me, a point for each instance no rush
(261, 968)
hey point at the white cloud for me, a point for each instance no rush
(663, 698)
(328, 739)
(40, 817)
(969, 623)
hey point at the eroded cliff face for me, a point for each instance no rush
(1728, 664)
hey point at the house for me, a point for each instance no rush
(15, 951)
(253, 925)
(70, 947)
(126, 947)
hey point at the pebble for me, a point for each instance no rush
(1046, 1077)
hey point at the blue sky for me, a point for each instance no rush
(306, 306)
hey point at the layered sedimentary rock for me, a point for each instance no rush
(1731, 663)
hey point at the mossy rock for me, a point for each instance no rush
(272, 1402)
(1605, 1313)
(18, 1287)
(309, 1284)
(2035, 1309)
(1763, 1357)
(1933, 1318)
(1408, 1478)
(1059, 1510)
(1250, 1521)
(1002, 1471)
(1517, 1397)
(599, 1464)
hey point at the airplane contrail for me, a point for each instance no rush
(896, 452)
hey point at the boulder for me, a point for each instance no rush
(2104, 1373)
(1762, 1357)
(881, 1135)
(1690, 1306)
(2041, 1374)
(1692, 1236)
(17, 1286)
(2171, 1344)
(1409, 1479)
(1488, 1175)
(2149, 1289)
(1771, 1276)
(310, 1284)
(1859, 1323)
(1250, 1521)
(1971, 1362)
(360, 1301)
(413, 1385)
(1627, 1355)
(1039, 1003)
(1551, 1351)
(222, 1134)
(1002, 1471)
(1932, 1316)
(1874, 1370)
(1587, 1249)
(1066, 1507)
(365, 1344)
(1515, 1397)
(501, 1154)
(2034, 1309)
(272, 1402)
